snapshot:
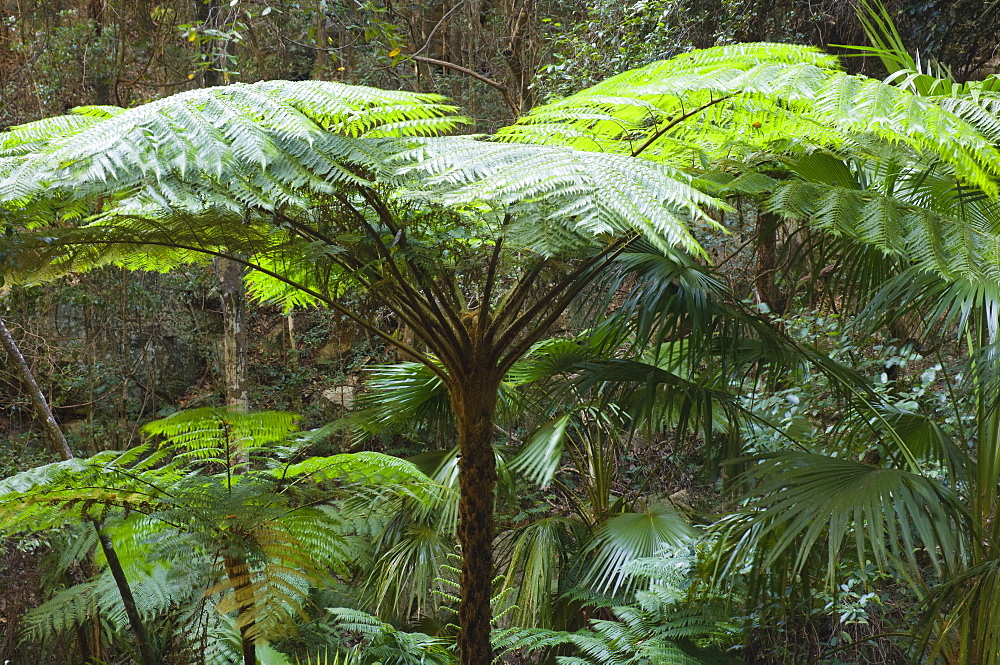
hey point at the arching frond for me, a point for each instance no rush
(287, 130)
(220, 435)
(969, 604)
(536, 555)
(569, 192)
(706, 104)
(391, 646)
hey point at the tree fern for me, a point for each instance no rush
(169, 502)
(753, 97)
(385, 644)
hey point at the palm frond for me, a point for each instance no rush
(625, 538)
(804, 501)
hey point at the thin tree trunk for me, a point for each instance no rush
(234, 343)
(208, 14)
(321, 43)
(229, 273)
(474, 403)
(58, 440)
(146, 653)
(767, 263)
(41, 405)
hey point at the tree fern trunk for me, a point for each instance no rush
(239, 577)
(474, 403)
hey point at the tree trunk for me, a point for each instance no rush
(474, 402)
(146, 653)
(321, 42)
(42, 410)
(230, 273)
(58, 439)
(234, 343)
(239, 577)
(208, 14)
(767, 263)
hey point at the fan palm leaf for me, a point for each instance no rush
(804, 500)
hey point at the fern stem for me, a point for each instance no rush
(674, 122)
(554, 303)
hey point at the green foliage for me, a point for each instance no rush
(477, 247)
(611, 37)
(653, 628)
(273, 521)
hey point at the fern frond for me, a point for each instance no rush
(582, 193)
(720, 99)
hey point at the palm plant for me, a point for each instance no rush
(927, 511)
(477, 247)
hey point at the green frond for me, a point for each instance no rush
(969, 604)
(540, 456)
(220, 435)
(405, 396)
(156, 591)
(708, 105)
(570, 192)
(284, 128)
(537, 554)
(403, 579)
(360, 468)
(30, 137)
(67, 609)
(945, 242)
(386, 644)
(940, 305)
(804, 502)
(625, 538)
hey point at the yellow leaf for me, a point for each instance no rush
(393, 53)
(194, 36)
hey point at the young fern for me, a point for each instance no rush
(257, 533)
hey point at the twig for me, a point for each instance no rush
(476, 75)
(438, 25)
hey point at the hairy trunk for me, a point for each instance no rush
(239, 578)
(474, 402)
